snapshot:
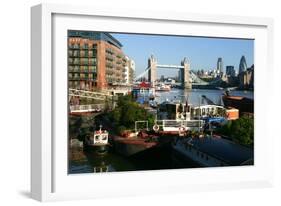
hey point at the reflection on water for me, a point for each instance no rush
(154, 159)
(88, 162)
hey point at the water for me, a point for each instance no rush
(89, 162)
(194, 95)
(155, 159)
(160, 158)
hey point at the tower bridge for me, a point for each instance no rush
(187, 77)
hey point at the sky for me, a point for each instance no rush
(201, 52)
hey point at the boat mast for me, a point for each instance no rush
(199, 118)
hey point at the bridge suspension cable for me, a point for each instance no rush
(143, 73)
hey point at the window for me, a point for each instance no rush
(92, 61)
(97, 138)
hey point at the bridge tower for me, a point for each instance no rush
(185, 74)
(152, 75)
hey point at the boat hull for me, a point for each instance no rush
(132, 147)
(98, 149)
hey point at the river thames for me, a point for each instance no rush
(160, 158)
(195, 94)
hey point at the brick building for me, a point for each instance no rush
(95, 60)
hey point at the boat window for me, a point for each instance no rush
(97, 137)
(104, 137)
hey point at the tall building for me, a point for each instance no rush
(242, 65)
(246, 78)
(129, 71)
(220, 65)
(95, 60)
(132, 70)
(230, 71)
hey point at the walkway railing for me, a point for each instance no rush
(87, 108)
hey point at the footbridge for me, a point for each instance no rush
(89, 94)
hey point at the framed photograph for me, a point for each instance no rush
(135, 102)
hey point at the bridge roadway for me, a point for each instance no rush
(196, 81)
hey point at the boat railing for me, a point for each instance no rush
(179, 123)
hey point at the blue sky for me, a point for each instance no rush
(201, 52)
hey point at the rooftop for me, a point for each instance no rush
(95, 36)
(223, 149)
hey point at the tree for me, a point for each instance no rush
(240, 130)
(127, 112)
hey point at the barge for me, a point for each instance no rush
(243, 104)
(213, 151)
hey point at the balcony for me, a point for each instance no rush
(119, 56)
(84, 55)
(91, 54)
(73, 53)
(92, 63)
(74, 78)
(109, 58)
(74, 46)
(74, 71)
(73, 62)
(109, 51)
(84, 47)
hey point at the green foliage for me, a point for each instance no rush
(127, 112)
(83, 132)
(121, 129)
(240, 130)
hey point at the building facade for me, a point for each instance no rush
(242, 65)
(230, 71)
(246, 78)
(129, 71)
(95, 60)
(220, 66)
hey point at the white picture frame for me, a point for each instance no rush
(49, 178)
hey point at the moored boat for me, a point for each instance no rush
(243, 104)
(129, 146)
(212, 151)
(163, 88)
(97, 142)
